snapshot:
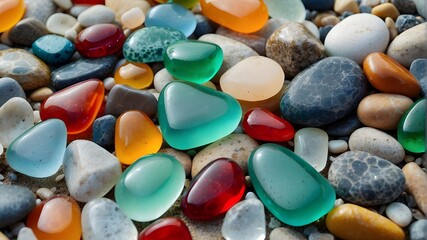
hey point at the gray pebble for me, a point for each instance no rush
(26, 31)
(10, 88)
(419, 70)
(418, 230)
(15, 203)
(344, 127)
(405, 22)
(40, 9)
(103, 131)
(405, 6)
(321, 236)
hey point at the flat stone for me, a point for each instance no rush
(29, 71)
(416, 184)
(378, 143)
(294, 48)
(9, 88)
(81, 70)
(16, 117)
(234, 146)
(96, 14)
(311, 144)
(417, 230)
(41, 94)
(408, 45)
(39, 9)
(103, 219)
(123, 98)
(26, 31)
(53, 49)
(366, 179)
(15, 203)
(324, 93)
(103, 130)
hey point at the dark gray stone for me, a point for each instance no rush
(103, 131)
(3, 47)
(345, 126)
(10, 88)
(419, 70)
(405, 22)
(40, 9)
(366, 179)
(418, 230)
(81, 70)
(123, 98)
(405, 6)
(26, 31)
(324, 93)
(257, 43)
(15, 203)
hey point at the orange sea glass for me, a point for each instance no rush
(11, 11)
(56, 218)
(136, 136)
(136, 75)
(243, 16)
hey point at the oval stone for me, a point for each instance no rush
(15, 203)
(324, 93)
(416, 184)
(97, 14)
(388, 76)
(26, 31)
(171, 15)
(383, 110)
(253, 79)
(311, 144)
(366, 179)
(349, 221)
(217, 188)
(44, 158)
(376, 142)
(149, 187)
(10, 88)
(59, 23)
(53, 49)
(369, 31)
(135, 75)
(149, 44)
(193, 61)
(29, 71)
(289, 187)
(411, 131)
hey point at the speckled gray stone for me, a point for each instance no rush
(366, 179)
(253, 41)
(419, 70)
(123, 98)
(418, 230)
(10, 88)
(324, 93)
(15, 203)
(40, 9)
(26, 31)
(295, 48)
(405, 22)
(103, 219)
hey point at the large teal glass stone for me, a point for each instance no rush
(293, 191)
(193, 61)
(150, 186)
(149, 43)
(411, 131)
(192, 115)
(53, 49)
(39, 151)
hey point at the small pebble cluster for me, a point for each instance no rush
(213, 119)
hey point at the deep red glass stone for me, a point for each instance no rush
(261, 124)
(76, 105)
(89, 2)
(217, 188)
(100, 40)
(170, 228)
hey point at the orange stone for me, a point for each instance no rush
(136, 136)
(56, 218)
(352, 222)
(243, 16)
(389, 76)
(136, 75)
(11, 11)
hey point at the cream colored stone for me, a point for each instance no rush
(59, 23)
(341, 6)
(122, 6)
(416, 184)
(41, 94)
(63, 4)
(133, 18)
(391, 25)
(182, 157)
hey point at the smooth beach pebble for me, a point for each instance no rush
(281, 233)
(26, 234)
(386, 10)
(369, 31)
(292, 10)
(149, 187)
(240, 16)
(383, 110)
(418, 70)
(416, 184)
(399, 213)
(136, 75)
(59, 23)
(311, 144)
(170, 228)
(253, 40)
(182, 157)
(26, 31)
(133, 18)
(388, 76)
(96, 14)
(417, 230)
(337, 146)
(15, 203)
(120, 7)
(341, 6)
(53, 49)
(56, 218)
(9, 88)
(412, 128)
(11, 11)
(353, 222)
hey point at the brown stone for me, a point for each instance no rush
(41, 94)
(416, 184)
(341, 6)
(386, 10)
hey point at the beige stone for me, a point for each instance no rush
(383, 110)
(282, 233)
(41, 94)
(122, 6)
(391, 25)
(341, 6)
(416, 184)
(183, 158)
(386, 10)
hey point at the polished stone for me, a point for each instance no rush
(411, 131)
(170, 228)
(15, 203)
(11, 11)
(311, 144)
(135, 75)
(53, 49)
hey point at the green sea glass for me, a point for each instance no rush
(293, 191)
(411, 131)
(192, 60)
(192, 115)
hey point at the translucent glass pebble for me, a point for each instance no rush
(53, 49)
(136, 75)
(149, 187)
(411, 131)
(194, 61)
(39, 151)
(171, 15)
(288, 186)
(11, 11)
(192, 115)
(292, 10)
(311, 144)
(170, 228)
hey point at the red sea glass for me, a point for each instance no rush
(100, 40)
(261, 124)
(77, 105)
(217, 188)
(170, 228)
(89, 2)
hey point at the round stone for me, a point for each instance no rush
(386, 10)
(399, 213)
(337, 146)
(311, 144)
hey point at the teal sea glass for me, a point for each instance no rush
(53, 49)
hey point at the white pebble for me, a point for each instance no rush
(26, 234)
(338, 202)
(161, 78)
(1, 149)
(59, 23)
(70, 34)
(109, 83)
(36, 114)
(77, 9)
(44, 193)
(133, 18)
(337, 146)
(312, 28)
(63, 4)
(96, 14)
(399, 213)
(59, 178)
